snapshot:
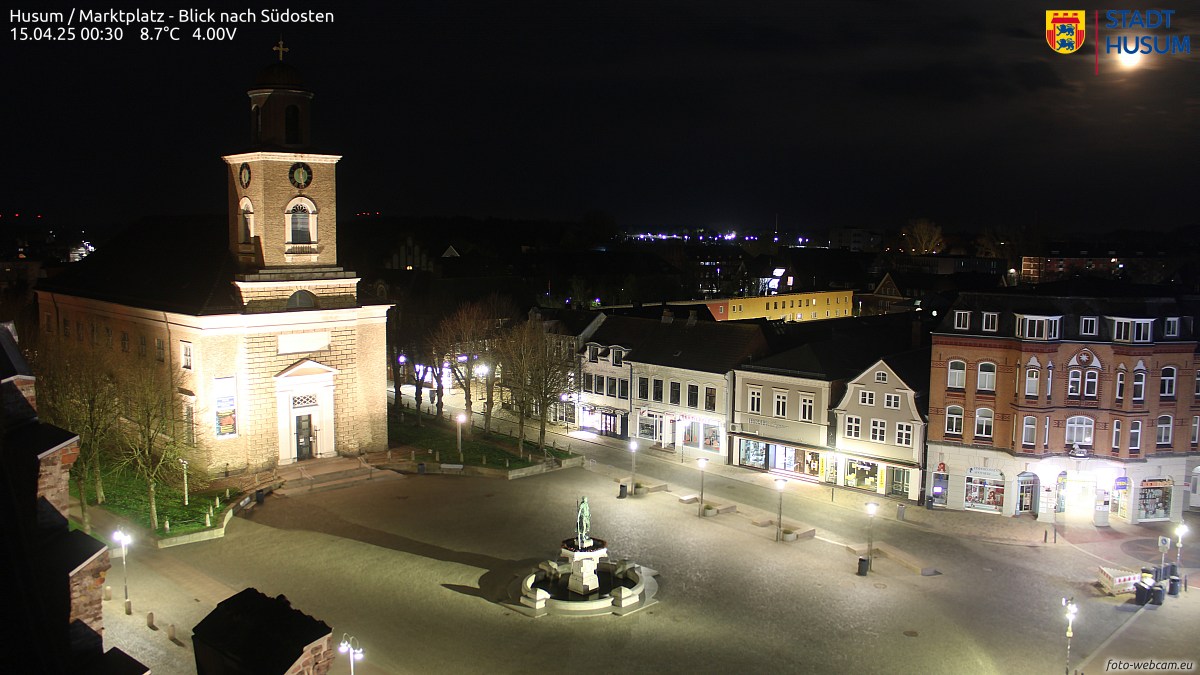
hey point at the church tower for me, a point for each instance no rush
(283, 203)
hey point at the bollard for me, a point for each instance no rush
(506, 462)
(412, 455)
(167, 526)
(1045, 536)
(227, 492)
(108, 592)
(171, 631)
(207, 520)
(389, 455)
(149, 619)
(437, 456)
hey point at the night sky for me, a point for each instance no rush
(661, 114)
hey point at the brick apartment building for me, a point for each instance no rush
(1071, 397)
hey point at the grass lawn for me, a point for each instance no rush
(128, 497)
(440, 438)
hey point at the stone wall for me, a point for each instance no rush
(317, 658)
(87, 592)
(54, 476)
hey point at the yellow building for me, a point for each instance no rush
(810, 306)
(279, 360)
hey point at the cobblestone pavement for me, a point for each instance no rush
(414, 569)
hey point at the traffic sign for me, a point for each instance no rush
(1164, 544)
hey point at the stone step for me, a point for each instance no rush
(336, 480)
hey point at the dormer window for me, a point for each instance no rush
(881, 376)
(1171, 327)
(962, 320)
(1088, 325)
(991, 321)
(617, 357)
(1132, 330)
(593, 353)
(1038, 327)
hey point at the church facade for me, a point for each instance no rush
(278, 359)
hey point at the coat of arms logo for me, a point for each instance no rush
(1065, 29)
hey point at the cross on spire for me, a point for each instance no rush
(281, 49)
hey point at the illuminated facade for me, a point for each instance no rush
(278, 360)
(1043, 403)
(810, 306)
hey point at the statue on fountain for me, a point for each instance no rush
(583, 524)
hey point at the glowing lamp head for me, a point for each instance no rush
(779, 483)
(702, 462)
(633, 446)
(461, 418)
(1181, 530)
(872, 507)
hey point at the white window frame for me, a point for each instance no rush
(853, 426)
(1120, 393)
(310, 208)
(1143, 331)
(1171, 327)
(891, 401)
(1033, 378)
(1139, 385)
(1166, 382)
(807, 403)
(1116, 435)
(878, 431)
(962, 319)
(985, 421)
(984, 380)
(1074, 383)
(1195, 429)
(1163, 435)
(904, 434)
(781, 401)
(1080, 430)
(1029, 430)
(754, 400)
(1122, 329)
(881, 376)
(991, 322)
(1091, 383)
(954, 420)
(956, 378)
(866, 397)
(1088, 325)
(185, 355)
(1135, 435)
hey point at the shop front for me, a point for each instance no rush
(650, 427)
(699, 433)
(1154, 500)
(604, 421)
(803, 463)
(861, 474)
(984, 490)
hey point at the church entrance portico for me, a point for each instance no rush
(304, 404)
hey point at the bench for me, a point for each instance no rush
(457, 468)
(689, 499)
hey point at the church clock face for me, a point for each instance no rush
(300, 175)
(244, 175)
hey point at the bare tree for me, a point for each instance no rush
(459, 341)
(923, 236)
(150, 414)
(537, 371)
(518, 355)
(77, 390)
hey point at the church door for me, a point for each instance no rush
(304, 437)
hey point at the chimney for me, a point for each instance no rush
(691, 318)
(667, 316)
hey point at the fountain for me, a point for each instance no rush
(584, 582)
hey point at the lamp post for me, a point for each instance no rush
(350, 646)
(779, 483)
(1179, 532)
(185, 487)
(872, 507)
(1072, 610)
(124, 539)
(633, 460)
(703, 462)
(460, 419)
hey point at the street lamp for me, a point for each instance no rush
(1179, 532)
(779, 483)
(1072, 610)
(124, 539)
(460, 419)
(872, 507)
(185, 487)
(703, 462)
(350, 646)
(633, 459)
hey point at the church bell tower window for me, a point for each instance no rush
(301, 225)
(292, 125)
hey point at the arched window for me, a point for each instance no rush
(983, 422)
(1091, 382)
(957, 375)
(1032, 376)
(1074, 382)
(1166, 383)
(1079, 430)
(302, 300)
(1029, 430)
(954, 420)
(1139, 385)
(1163, 434)
(246, 221)
(986, 380)
(292, 125)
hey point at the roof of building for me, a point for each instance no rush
(845, 349)
(705, 346)
(912, 367)
(266, 634)
(279, 75)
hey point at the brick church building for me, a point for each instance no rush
(278, 357)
